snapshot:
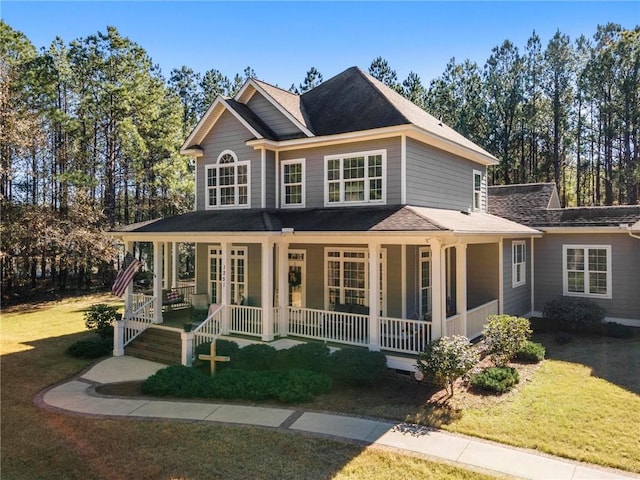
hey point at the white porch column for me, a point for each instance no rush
(174, 264)
(500, 276)
(166, 256)
(461, 284)
(267, 290)
(157, 281)
(225, 298)
(186, 339)
(437, 289)
(374, 296)
(282, 254)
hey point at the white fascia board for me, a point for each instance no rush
(336, 139)
(279, 107)
(552, 230)
(447, 145)
(206, 124)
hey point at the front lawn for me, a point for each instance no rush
(37, 443)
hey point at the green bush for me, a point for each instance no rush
(495, 379)
(305, 356)
(358, 367)
(504, 335)
(291, 386)
(101, 318)
(91, 348)
(178, 381)
(447, 359)
(574, 314)
(256, 357)
(615, 330)
(531, 352)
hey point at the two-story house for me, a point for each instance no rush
(346, 214)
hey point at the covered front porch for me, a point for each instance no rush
(385, 293)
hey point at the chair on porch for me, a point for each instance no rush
(200, 304)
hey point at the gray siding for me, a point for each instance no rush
(517, 301)
(482, 274)
(271, 180)
(228, 134)
(314, 166)
(271, 116)
(393, 287)
(625, 270)
(314, 258)
(439, 179)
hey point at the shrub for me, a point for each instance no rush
(100, 317)
(504, 335)
(256, 357)
(447, 359)
(305, 356)
(178, 381)
(615, 330)
(495, 379)
(292, 386)
(91, 348)
(574, 314)
(531, 352)
(358, 367)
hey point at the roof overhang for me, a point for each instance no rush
(606, 229)
(251, 87)
(409, 130)
(206, 123)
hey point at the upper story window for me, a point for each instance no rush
(518, 263)
(356, 178)
(586, 270)
(477, 190)
(227, 182)
(292, 183)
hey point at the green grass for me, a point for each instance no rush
(37, 443)
(583, 404)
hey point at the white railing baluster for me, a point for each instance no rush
(139, 317)
(404, 335)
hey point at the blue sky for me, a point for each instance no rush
(281, 41)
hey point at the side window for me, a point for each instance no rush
(292, 183)
(227, 182)
(586, 270)
(477, 190)
(518, 263)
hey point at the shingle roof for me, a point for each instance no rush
(288, 100)
(529, 204)
(252, 119)
(395, 218)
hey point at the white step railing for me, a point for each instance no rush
(348, 328)
(403, 335)
(209, 329)
(139, 316)
(245, 320)
(477, 317)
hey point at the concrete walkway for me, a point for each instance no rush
(78, 396)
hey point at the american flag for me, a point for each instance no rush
(125, 275)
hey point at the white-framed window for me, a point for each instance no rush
(425, 282)
(347, 277)
(237, 275)
(355, 178)
(228, 182)
(586, 270)
(518, 263)
(477, 189)
(292, 183)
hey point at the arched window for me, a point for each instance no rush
(228, 182)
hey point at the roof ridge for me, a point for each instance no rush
(424, 217)
(593, 207)
(374, 83)
(276, 87)
(522, 184)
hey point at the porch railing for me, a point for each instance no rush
(245, 320)
(403, 335)
(209, 329)
(139, 318)
(347, 328)
(477, 317)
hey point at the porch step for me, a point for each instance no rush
(157, 345)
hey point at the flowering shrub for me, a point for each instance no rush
(504, 335)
